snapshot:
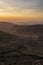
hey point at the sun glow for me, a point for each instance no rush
(15, 11)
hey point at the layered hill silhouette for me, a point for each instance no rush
(5, 26)
(22, 30)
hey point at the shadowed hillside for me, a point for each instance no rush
(5, 26)
(21, 30)
(13, 49)
(23, 46)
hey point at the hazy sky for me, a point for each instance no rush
(21, 9)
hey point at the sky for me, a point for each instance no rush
(21, 10)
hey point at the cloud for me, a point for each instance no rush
(22, 7)
(29, 4)
(6, 8)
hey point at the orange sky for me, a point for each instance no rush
(20, 18)
(21, 10)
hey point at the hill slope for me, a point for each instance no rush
(30, 45)
(21, 30)
(32, 37)
(5, 26)
(14, 49)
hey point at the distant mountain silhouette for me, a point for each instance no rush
(5, 26)
(21, 30)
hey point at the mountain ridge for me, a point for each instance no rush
(21, 30)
